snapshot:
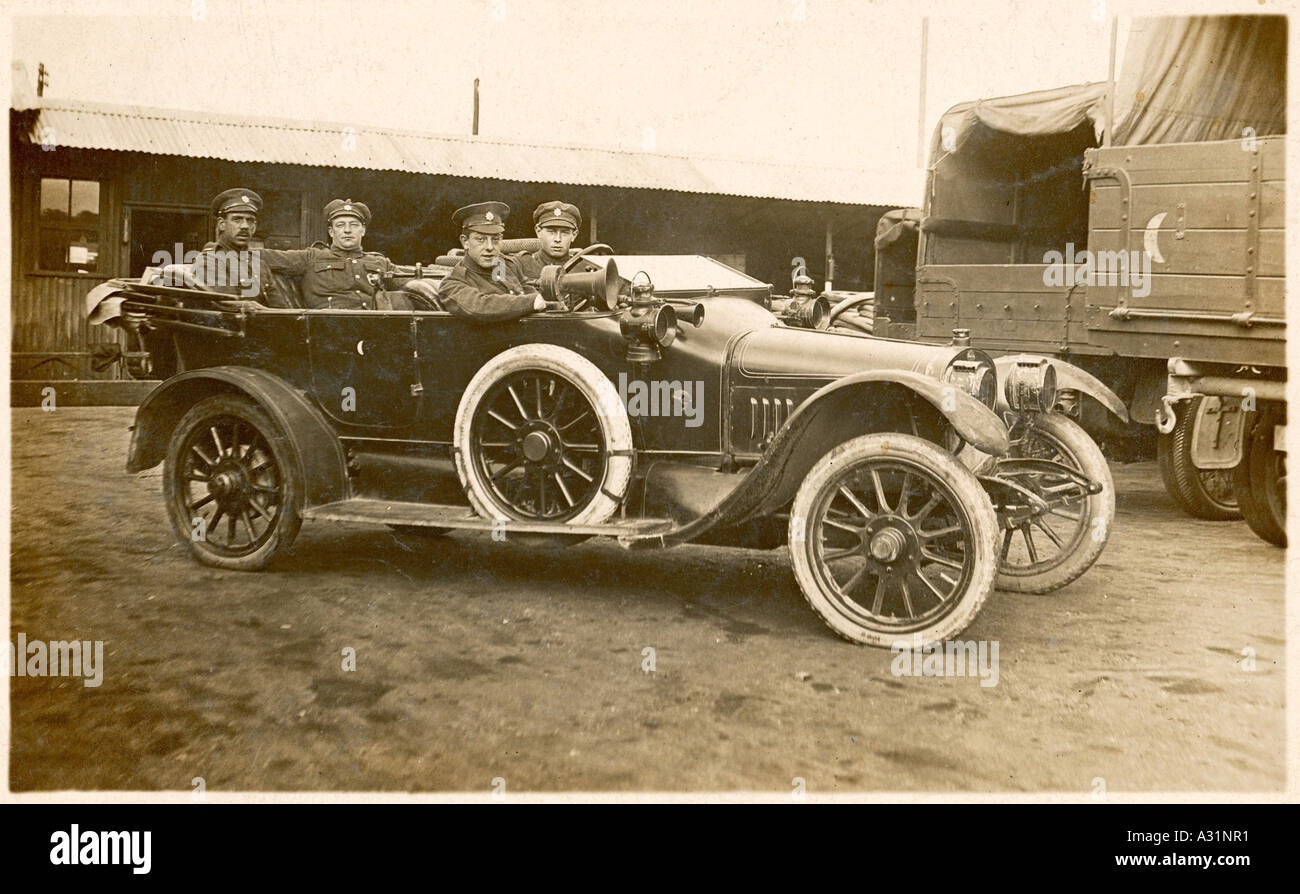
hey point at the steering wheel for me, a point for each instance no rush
(842, 306)
(594, 248)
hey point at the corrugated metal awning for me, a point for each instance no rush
(202, 135)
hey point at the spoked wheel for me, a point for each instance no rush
(1201, 493)
(541, 435)
(891, 538)
(1260, 478)
(1043, 551)
(233, 491)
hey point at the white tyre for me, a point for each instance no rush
(541, 435)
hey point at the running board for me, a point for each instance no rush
(439, 515)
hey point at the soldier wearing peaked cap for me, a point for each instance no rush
(224, 265)
(340, 275)
(486, 285)
(556, 223)
(236, 212)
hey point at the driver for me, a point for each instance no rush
(486, 285)
(556, 223)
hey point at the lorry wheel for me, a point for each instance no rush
(541, 435)
(232, 485)
(892, 539)
(1057, 547)
(1201, 493)
(1260, 478)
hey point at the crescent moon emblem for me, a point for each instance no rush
(361, 347)
(1151, 238)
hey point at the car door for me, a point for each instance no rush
(363, 366)
(451, 351)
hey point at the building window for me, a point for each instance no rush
(68, 237)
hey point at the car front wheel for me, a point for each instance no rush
(892, 540)
(231, 482)
(1041, 552)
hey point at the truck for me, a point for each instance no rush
(1158, 267)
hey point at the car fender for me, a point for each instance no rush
(311, 438)
(1067, 376)
(976, 423)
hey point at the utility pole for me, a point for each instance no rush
(1108, 133)
(920, 117)
(42, 78)
(476, 107)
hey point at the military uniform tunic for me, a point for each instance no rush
(531, 263)
(333, 277)
(468, 291)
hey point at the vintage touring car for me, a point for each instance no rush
(906, 479)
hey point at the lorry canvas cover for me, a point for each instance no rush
(1183, 79)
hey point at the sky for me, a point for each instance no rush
(819, 82)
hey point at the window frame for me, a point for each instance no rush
(103, 260)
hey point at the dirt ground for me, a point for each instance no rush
(478, 660)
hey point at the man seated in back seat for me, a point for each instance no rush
(341, 275)
(228, 265)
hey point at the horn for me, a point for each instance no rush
(600, 285)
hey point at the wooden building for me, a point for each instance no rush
(97, 190)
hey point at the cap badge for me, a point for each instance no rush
(347, 207)
(557, 212)
(488, 215)
(243, 199)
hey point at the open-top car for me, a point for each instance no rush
(907, 479)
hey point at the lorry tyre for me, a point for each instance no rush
(1201, 493)
(1260, 478)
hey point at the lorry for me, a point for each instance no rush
(1156, 266)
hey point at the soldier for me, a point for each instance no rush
(485, 285)
(556, 223)
(339, 275)
(236, 212)
(226, 265)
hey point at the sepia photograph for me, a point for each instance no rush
(533, 400)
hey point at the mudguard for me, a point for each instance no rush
(1067, 376)
(310, 436)
(976, 423)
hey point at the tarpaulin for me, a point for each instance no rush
(1039, 113)
(1183, 79)
(1194, 78)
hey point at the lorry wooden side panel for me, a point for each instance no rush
(1210, 218)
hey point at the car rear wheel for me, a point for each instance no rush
(541, 435)
(1260, 478)
(231, 482)
(1201, 493)
(1055, 547)
(892, 539)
